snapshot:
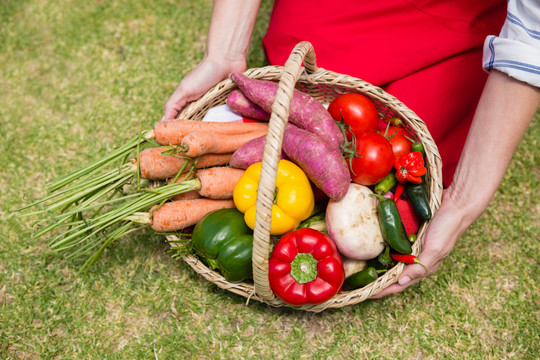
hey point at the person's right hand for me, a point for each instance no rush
(205, 75)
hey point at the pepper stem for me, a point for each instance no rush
(304, 268)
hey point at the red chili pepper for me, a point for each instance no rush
(410, 167)
(407, 259)
(399, 190)
(305, 267)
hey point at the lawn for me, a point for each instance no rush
(78, 78)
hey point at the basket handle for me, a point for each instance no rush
(302, 52)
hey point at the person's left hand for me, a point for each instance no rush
(437, 242)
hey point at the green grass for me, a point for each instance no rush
(78, 78)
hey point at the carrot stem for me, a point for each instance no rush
(143, 202)
(103, 162)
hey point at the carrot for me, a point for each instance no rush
(241, 105)
(190, 195)
(304, 111)
(171, 132)
(178, 215)
(156, 166)
(216, 183)
(199, 143)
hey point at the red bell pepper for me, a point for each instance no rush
(410, 167)
(305, 267)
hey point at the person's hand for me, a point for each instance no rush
(437, 242)
(197, 82)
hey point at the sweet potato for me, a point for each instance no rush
(250, 153)
(304, 111)
(241, 105)
(325, 167)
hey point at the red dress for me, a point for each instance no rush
(427, 53)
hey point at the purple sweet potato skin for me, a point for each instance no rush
(241, 105)
(250, 153)
(325, 167)
(304, 111)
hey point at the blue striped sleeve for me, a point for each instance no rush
(516, 50)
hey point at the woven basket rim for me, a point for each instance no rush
(310, 75)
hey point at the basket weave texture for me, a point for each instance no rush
(324, 86)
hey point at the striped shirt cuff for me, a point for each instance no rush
(516, 51)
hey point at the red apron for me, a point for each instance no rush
(427, 53)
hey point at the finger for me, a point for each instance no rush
(410, 275)
(172, 108)
(394, 289)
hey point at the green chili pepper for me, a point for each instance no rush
(360, 279)
(386, 184)
(419, 200)
(392, 228)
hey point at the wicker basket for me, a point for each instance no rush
(324, 86)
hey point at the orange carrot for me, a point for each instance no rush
(216, 183)
(171, 132)
(190, 195)
(199, 142)
(177, 215)
(155, 166)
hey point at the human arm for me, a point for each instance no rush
(227, 46)
(509, 101)
(504, 112)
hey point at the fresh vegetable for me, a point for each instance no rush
(410, 167)
(418, 146)
(373, 160)
(391, 225)
(384, 258)
(315, 162)
(241, 105)
(178, 215)
(400, 139)
(293, 198)
(171, 132)
(398, 191)
(419, 200)
(408, 216)
(360, 279)
(305, 268)
(166, 132)
(395, 121)
(250, 153)
(386, 184)
(109, 220)
(405, 258)
(216, 182)
(222, 239)
(304, 111)
(154, 165)
(203, 142)
(353, 224)
(380, 267)
(357, 111)
(325, 167)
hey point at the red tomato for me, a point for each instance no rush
(356, 110)
(398, 139)
(374, 161)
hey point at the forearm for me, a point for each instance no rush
(504, 113)
(230, 31)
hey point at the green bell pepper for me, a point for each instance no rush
(224, 241)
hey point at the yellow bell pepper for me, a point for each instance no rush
(293, 198)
